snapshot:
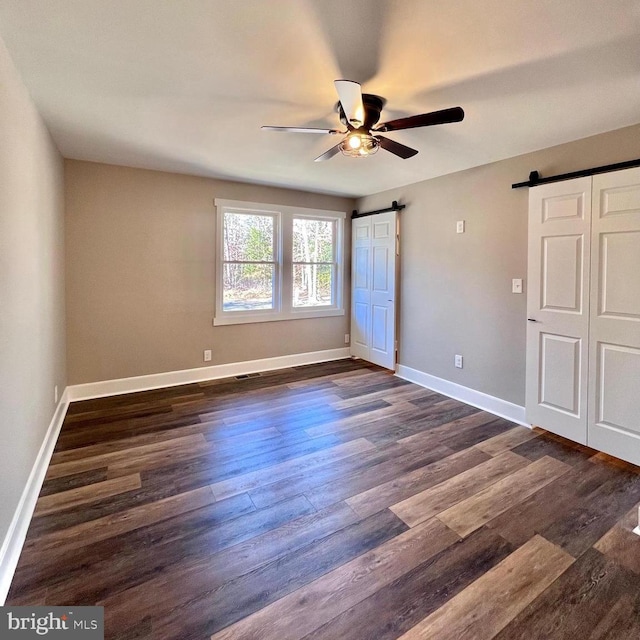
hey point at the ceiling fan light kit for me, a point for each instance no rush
(360, 113)
(359, 145)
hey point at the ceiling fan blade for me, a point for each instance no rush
(350, 94)
(445, 116)
(328, 154)
(396, 148)
(302, 130)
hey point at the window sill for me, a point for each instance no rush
(276, 317)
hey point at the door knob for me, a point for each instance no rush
(531, 320)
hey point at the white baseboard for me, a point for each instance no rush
(491, 404)
(17, 533)
(201, 374)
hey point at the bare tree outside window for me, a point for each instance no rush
(313, 262)
(248, 262)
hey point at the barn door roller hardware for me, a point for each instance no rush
(394, 207)
(535, 179)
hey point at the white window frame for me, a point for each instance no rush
(283, 308)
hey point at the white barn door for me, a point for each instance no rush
(373, 285)
(614, 380)
(558, 307)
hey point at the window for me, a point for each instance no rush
(249, 265)
(313, 262)
(277, 263)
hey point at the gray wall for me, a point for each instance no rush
(140, 275)
(456, 289)
(32, 334)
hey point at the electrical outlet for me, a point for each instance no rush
(460, 226)
(207, 355)
(347, 338)
(516, 285)
(55, 394)
(458, 362)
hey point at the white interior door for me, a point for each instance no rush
(614, 381)
(558, 307)
(373, 284)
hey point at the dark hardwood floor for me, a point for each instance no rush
(332, 502)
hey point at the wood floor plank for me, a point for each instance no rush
(346, 425)
(30, 598)
(131, 456)
(280, 408)
(172, 543)
(210, 468)
(553, 503)
(470, 437)
(548, 445)
(251, 480)
(113, 414)
(486, 606)
(241, 597)
(259, 402)
(360, 480)
(102, 507)
(365, 378)
(88, 493)
(428, 503)
(403, 603)
(110, 526)
(229, 454)
(155, 396)
(332, 377)
(621, 622)
(249, 442)
(120, 444)
(584, 524)
(428, 437)
(84, 437)
(391, 396)
(431, 416)
(595, 586)
(330, 474)
(205, 575)
(507, 440)
(406, 485)
(119, 562)
(621, 544)
(456, 430)
(470, 514)
(73, 481)
(337, 591)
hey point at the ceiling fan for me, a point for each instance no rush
(360, 113)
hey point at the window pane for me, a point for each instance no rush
(312, 285)
(312, 240)
(248, 237)
(248, 287)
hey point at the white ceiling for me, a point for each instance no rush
(184, 85)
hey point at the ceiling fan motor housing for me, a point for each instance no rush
(373, 106)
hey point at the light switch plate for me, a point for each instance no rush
(460, 226)
(516, 285)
